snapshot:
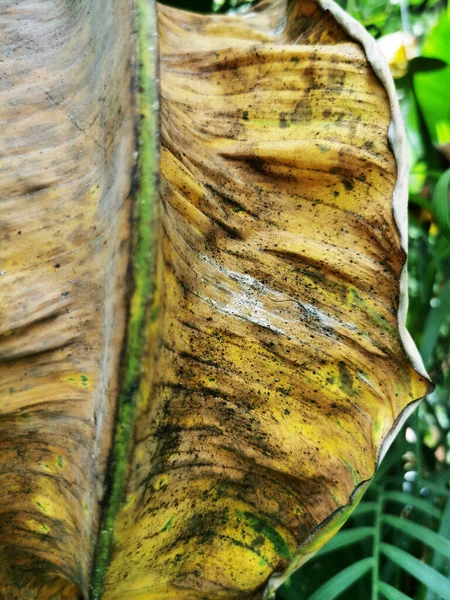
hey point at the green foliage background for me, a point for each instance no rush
(397, 543)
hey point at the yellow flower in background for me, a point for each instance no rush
(398, 48)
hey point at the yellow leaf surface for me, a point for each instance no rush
(277, 368)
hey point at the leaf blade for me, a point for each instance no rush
(427, 536)
(363, 508)
(419, 503)
(391, 593)
(421, 571)
(433, 323)
(343, 580)
(441, 202)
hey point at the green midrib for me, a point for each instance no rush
(143, 266)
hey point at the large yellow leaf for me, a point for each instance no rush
(265, 364)
(277, 368)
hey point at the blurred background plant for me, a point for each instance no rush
(397, 543)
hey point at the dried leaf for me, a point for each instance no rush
(265, 366)
(277, 371)
(67, 154)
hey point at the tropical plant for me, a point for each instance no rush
(204, 358)
(416, 469)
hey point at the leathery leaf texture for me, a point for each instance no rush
(66, 154)
(276, 369)
(231, 337)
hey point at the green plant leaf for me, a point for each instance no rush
(345, 538)
(441, 203)
(427, 536)
(440, 562)
(363, 508)
(422, 202)
(433, 323)
(426, 64)
(432, 87)
(343, 580)
(390, 592)
(419, 503)
(421, 571)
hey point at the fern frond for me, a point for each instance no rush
(343, 580)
